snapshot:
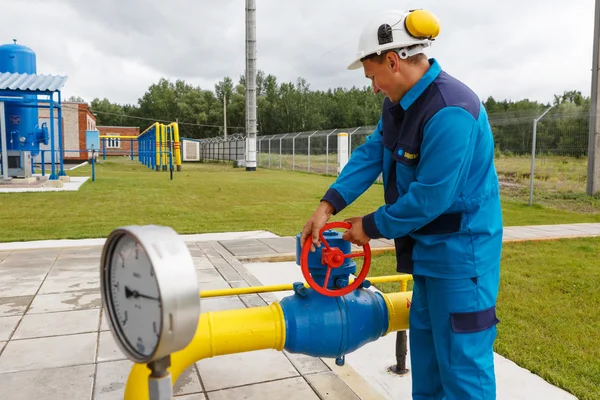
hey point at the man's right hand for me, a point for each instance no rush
(315, 223)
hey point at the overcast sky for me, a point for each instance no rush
(117, 48)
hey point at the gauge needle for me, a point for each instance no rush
(136, 294)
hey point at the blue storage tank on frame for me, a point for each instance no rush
(21, 122)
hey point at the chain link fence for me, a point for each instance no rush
(310, 151)
(560, 162)
(232, 148)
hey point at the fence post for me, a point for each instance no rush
(327, 152)
(342, 151)
(309, 149)
(280, 150)
(327, 155)
(258, 149)
(270, 151)
(533, 140)
(294, 151)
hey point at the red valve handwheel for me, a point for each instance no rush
(333, 257)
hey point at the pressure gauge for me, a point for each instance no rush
(149, 291)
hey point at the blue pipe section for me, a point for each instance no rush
(323, 326)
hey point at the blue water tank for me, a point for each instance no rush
(21, 122)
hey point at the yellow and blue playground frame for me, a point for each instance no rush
(157, 145)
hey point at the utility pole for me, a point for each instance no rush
(224, 115)
(250, 85)
(593, 177)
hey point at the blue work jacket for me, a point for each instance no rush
(435, 151)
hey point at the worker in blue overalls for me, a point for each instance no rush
(433, 146)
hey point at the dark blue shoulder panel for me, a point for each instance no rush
(456, 94)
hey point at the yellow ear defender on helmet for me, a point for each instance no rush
(419, 24)
(422, 24)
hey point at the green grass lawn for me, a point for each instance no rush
(201, 198)
(549, 307)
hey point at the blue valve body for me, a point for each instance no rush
(323, 326)
(339, 276)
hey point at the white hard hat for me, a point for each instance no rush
(397, 29)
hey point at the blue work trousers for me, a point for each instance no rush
(452, 332)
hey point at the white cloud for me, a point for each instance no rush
(117, 48)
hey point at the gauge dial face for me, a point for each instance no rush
(135, 296)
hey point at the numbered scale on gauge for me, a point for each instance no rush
(135, 296)
(149, 291)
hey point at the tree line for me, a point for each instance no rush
(285, 107)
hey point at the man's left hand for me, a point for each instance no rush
(356, 235)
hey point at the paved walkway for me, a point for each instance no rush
(284, 248)
(55, 344)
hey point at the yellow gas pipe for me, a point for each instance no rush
(158, 138)
(403, 279)
(176, 144)
(250, 329)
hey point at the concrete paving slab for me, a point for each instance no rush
(35, 254)
(252, 300)
(71, 322)
(195, 396)
(8, 326)
(202, 263)
(222, 284)
(556, 231)
(281, 245)
(108, 349)
(208, 275)
(527, 234)
(188, 382)
(95, 242)
(374, 244)
(288, 389)
(25, 281)
(248, 368)
(208, 250)
(249, 248)
(331, 387)
(218, 262)
(65, 281)
(221, 303)
(66, 383)
(111, 378)
(50, 352)
(19, 263)
(80, 252)
(307, 364)
(230, 274)
(10, 306)
(83, 300)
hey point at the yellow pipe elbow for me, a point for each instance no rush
(218, 333)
